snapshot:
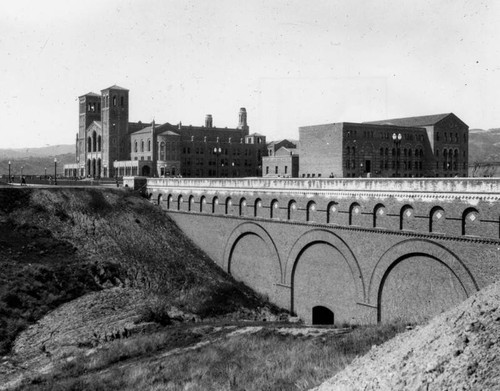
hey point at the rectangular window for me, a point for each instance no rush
(267, 169)
(276, 169)
(286, 169)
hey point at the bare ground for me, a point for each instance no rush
(457, 350)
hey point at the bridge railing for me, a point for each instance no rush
(432, 185)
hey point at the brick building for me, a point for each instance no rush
(283, 163)
(108, 145)
(426, 146)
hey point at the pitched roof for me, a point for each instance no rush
(90, 94)
(424, 120)
(168, 133)
(115, 87)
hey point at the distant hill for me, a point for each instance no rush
(23, 153)
(484, 145)
(35, 160)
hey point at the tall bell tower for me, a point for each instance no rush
(114, 116)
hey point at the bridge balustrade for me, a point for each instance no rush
(447, 214)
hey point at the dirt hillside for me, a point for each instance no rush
(60, 244)
(458, 350)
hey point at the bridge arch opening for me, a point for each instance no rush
(169, 201)
(190, 203)
(159, 199)
(179, 202)
(406, 218)
(274, 209)
(292, 209)
(355, 214)
(379, 214)
(257, 208)
(215, 202)
(243, 207)
(203, 201)
(331, 212)
(322, 315)
(470, 222)
(437, 220)
(310, 212)
(228, 206)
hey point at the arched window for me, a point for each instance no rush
(243, 207)
(354, 214)
(257, 207)
(179, 202)
(331, 212)
(122, 101)
(159, 199)
(114, 100)
(135, 146)
(190, 203)
(99, 141)
(311, 208)
(215, 202)
(89, 144)
(274, 209)
(406, 218)
(149, 145)
(162, 151)
(203, 201)
(228, 206)
(437, 220)
(470, 222)
(379, 216)
(94, 141)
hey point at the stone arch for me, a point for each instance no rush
(470, 222)
(292, 209)
(260, 271)
(407, 218)
(257, 207)
(274, 209)
(331, 212)
(243, 206)
(160, 196)
(190, 203)
(179, 202)
(169, 201)
(215, 202)
(310, 211)
(416, 248)
(379, 213)
(228, 205)
(321, 236)
(203, 201)
(354, 214)
(437, 219)
(322, 315)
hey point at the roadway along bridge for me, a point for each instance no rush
(350, 250)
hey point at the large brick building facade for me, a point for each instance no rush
(427, 146)
(108, 145)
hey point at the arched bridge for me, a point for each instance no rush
(357, 250)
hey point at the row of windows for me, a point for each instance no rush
(136, 144)
(114, 101)
(94, 143)
(451, 137)
(379, 217)
(276, 170)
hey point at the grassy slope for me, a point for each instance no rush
(58, 244)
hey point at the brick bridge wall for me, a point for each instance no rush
(368, 250)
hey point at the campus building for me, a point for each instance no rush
(282, 160)
(108, 145)
(426, 146)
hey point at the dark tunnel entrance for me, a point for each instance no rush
(322, 315)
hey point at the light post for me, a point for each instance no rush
(397, 140)
(45, 176)
(9, 173)
(217, 152)
(55, 171)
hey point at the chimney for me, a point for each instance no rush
(208, 121)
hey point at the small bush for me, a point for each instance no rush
(156, 310)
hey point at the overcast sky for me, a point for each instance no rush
(290, 63)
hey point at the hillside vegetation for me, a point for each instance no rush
(58, 244)
(484, 145)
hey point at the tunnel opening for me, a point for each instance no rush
(322, 315)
